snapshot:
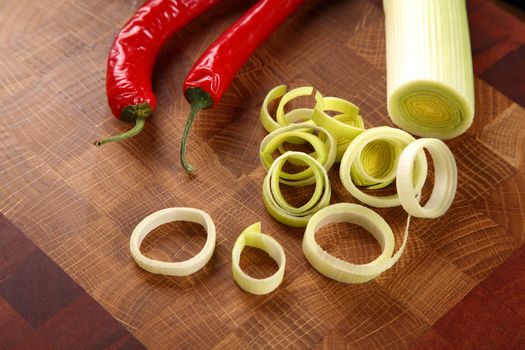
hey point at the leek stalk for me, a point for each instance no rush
(430, 79)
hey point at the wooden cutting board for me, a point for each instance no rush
(79, 203)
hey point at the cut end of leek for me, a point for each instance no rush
(430, 109)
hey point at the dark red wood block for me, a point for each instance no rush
(33, 341)
(378, 3)
(75, 324)
(14, 247)
(482, 321)
(38, 288)
(481, 44)
(13, 327)
(41, 307)
(507, 283)
(492, 39)
(128, 342)
(508, 75)
(431, 341)
(473, 5)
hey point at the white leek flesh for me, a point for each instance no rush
(430, 79)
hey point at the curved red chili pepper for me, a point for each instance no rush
(131, 58)
(214, 71)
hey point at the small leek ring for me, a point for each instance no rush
(324, 151)
(252, 237)
(279, 199)
(343, 271)
(445, 183)
(165, 216)
(277, 206)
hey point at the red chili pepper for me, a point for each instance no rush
(131, 58)
(214, 71)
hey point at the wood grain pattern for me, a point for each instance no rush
(79, 204)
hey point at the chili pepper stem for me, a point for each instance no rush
(199, 99)
(139, 125)
(194, 110)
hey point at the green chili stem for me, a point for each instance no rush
(198, 99)
(195, 108)
(139, 125)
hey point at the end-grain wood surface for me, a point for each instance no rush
(79, 204)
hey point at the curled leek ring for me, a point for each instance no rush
(299, 115)
(252, 237)
(274, 201)
(290, 95)
(294, 116)
(165, 216)
(342, 143)
(445, 183)
(353, 159)
(266, 119)
(325, 152)
(343, 271)
(336, 126)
